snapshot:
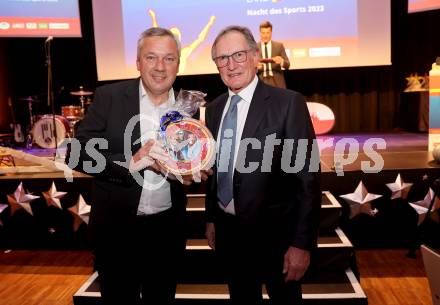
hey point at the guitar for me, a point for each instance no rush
(18, 133)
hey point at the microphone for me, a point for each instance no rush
(49, 39)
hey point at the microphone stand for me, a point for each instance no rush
(50, 98)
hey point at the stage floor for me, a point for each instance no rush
(396, 141)
(401, 151)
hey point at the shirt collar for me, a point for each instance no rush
(269, 44)
(246, 93)
(143, 94)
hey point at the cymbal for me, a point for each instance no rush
(30, 99)
(81, 93)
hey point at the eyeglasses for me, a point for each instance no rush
(223, 60)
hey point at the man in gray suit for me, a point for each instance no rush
(273, 58)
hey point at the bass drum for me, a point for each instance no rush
(43, 131)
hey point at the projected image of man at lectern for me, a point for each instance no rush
(273, 58)
(186, 50)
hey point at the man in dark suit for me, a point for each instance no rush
(273, 60)
(137, 215)
(263, 200)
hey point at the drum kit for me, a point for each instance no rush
(49, 131)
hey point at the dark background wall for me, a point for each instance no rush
(364, 99)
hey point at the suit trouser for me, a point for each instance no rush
(143, 260)
(250, 257)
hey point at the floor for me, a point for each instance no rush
(388, 277)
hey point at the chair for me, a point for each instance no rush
(431, 260)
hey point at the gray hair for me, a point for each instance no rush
(156, 32)
(247, 34)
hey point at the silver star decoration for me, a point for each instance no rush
(421, 211)
(425, 202)
(2, 208)
(399, 188)
(53, 197)
(422, 206)
(80, 212)
(360, 201)
(20, 200)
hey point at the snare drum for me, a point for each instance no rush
(72, 112)
(43, 131)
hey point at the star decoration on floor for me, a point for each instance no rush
(360, 201)
(20, 200)
(53, 197)
(80, 212)
(399, 188)
(2, 208)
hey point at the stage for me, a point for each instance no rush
(388, 221)
(405, 154)
(342, 169)
(403, 151)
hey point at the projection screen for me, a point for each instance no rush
(315, 33)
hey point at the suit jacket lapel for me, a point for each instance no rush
(275, 47)
(256, 112)
(217, 115)
(131, 103)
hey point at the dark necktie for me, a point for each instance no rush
(266, 55)
(225, 160)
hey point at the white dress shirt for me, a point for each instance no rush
(158, 198)
(246, 95)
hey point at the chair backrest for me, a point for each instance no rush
(431, 260)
